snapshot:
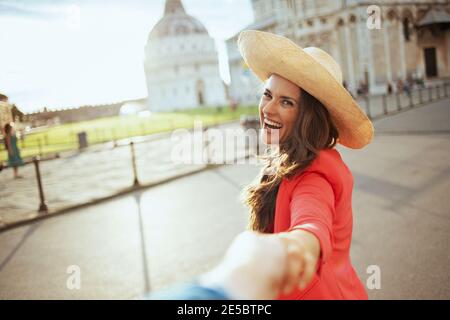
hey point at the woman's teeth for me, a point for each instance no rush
(272, 124)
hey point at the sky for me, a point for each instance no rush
(67, 53)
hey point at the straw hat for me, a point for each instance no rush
(314, 71)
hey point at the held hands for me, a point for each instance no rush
(261, 266)
(303, 250)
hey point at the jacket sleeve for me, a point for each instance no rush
(312, 209)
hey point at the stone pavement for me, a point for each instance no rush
(170, 233)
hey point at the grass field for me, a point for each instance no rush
(64, 137)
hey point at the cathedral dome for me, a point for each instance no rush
(176, 22)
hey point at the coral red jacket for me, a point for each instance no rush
(319, 200)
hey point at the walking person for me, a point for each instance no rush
(14, 158)
(304, 193)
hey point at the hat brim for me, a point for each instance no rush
(266, 54)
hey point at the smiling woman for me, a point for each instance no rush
(301, 126)
(304, 193)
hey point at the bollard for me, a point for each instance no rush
(430, 98)
(410, 99)
(384, 104)
(258, 137)
(42, 206)
(114, 137)
(247, 146)
(133, 161)
(206, 147)
(420, 96)
(445, 90)
(397, 98)
(40, 147)
(368, 106)
(438, 92)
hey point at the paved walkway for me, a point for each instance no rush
(175, 231)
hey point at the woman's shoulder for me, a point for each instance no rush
(328, 164)
(327, 159)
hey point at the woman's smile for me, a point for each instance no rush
(279, 108)
(272, 124)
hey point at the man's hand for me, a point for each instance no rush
(303, 251)
(261, 266)
(253, 268)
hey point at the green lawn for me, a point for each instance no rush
(64, 137)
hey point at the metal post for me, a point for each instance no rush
(133, 161)
(258, 136)
(430, 98)
(114, 137)
(40, 147)
(42, 206)
(397, 97)
(438, 92)
(410, 99)
(206, 143)
(384, 104)
(247, 145)
(420, 96)
(368, 106)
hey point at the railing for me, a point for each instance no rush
(377, 106)
(128, 158)
(139, 153)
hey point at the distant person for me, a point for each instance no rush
(389, 88)
(14, 158)
(407, 87)
(400, 86)
(303, 194)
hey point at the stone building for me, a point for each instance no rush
(412, 40)
(82, 113)
(181, 63)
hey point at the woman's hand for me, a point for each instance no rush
(303, 251)
(261, 266)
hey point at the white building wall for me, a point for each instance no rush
(173, 68)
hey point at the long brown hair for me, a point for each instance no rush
(313, 130)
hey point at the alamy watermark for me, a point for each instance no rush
(73, 281)
(374, 17)
(204, 145)
(373, 282)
